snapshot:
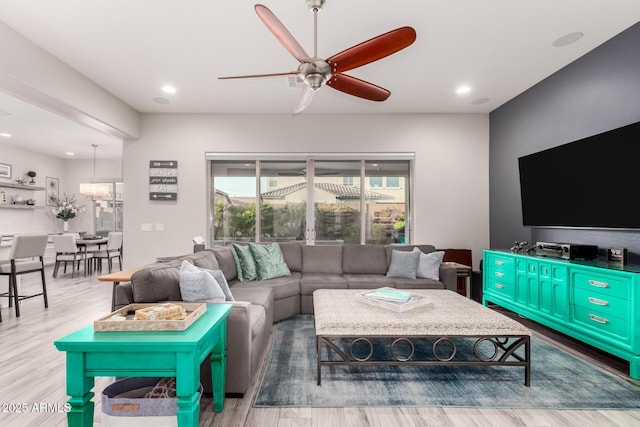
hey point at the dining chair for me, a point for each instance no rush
(68, 252)
(26, 256)
(113, 250)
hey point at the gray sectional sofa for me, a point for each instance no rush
(258, 304)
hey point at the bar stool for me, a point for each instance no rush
(21, 260)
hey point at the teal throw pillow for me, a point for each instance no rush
(197, 285)
(245, 264)
(269, 261)
(404, 264)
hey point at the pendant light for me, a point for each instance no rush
(93, 190)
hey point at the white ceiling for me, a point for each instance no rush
(499, 48)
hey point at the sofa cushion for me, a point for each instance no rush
(322, 259)
(253, 294)
(292, 252)
(404, 264)
(429, 264)
(204, 259)
(245, 264)
(312, 281)
(364, 259)
(283, 287)
(158, 282)
(197, 284)
(269, 260)
(368, 281)
(226, 261)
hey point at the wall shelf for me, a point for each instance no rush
(21, 186)
(26, 207)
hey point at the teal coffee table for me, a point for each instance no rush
(148, 354)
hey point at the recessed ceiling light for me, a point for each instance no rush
(568, 39)
(159, 100)
(463, 89)
(5, 135)
(480, 101)
(169, 89)
(69, 153)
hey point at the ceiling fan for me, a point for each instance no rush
(316, 71)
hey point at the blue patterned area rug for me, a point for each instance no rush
(558, 380)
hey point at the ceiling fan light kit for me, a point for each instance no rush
(315, 71)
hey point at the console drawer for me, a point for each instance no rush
(500, 268)
(602, 323)
(610, 284)
(499, 288)
(607, 305)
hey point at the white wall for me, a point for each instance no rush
(450, 189)
(70, 174)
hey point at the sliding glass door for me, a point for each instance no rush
(353, 200)
(108, 210)
(337, 202)
(283, 201)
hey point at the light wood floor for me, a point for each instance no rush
(33, 373)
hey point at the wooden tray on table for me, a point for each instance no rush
(123, 319)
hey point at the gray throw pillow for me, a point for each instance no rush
(218, 275)
(429, 264)
(198, 285)
(404, 264)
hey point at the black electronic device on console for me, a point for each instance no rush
(567, 250)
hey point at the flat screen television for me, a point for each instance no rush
(590, 183)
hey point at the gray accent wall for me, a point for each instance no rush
(598, 92)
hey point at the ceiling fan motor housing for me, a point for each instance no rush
(315, 73)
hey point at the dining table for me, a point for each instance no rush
(84, 242)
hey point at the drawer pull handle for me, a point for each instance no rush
(499, 286)
(598, 284)
(499, 262)
(597, 301)
(498, 274)
(598, 319)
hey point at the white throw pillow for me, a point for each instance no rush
(429, 264)
(196, 285)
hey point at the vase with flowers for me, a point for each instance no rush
(67, 208)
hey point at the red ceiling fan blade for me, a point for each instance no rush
(372, 50)
(357, 87)
(252, 76)
(282, 34)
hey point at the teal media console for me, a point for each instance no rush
(593, 301)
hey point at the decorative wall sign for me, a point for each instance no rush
(53, 191)
(163, 180)
(5, 170)
(617, 255)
